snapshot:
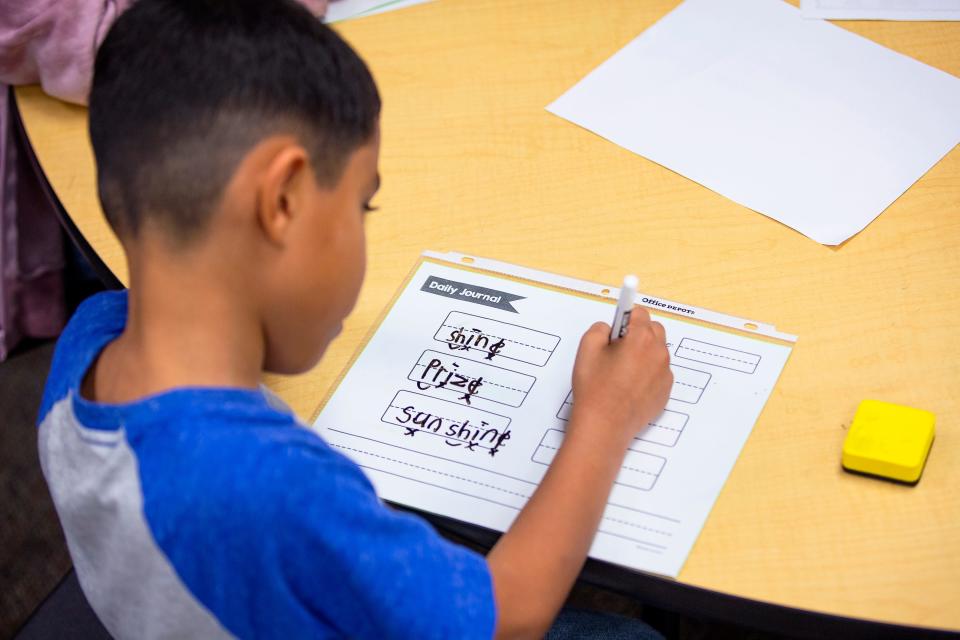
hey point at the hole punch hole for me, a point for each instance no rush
(467, 260)
(751, 326)
(605, 291)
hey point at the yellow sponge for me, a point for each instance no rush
(888, 440)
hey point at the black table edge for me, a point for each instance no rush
(102, 271)
(705, 604)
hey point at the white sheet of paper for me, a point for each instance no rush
(881, 9)
(479, 461)
(799, 120)
(339, 10)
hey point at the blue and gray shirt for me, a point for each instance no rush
(207, 512)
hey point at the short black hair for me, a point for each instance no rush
(183, 89)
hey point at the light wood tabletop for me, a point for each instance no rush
(472, 162)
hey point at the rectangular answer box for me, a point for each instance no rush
(547, 449)
(716, 355)
(688, 384)
(665, 429)
(457, 424)
(467, 332)
(465, 378)
(640, 469)
(566, 408)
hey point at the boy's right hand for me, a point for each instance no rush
(619, 387)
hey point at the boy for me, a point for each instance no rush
(237, 146)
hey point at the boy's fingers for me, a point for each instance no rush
(596, 336)
(639, 316)
(599, 327)
(599, 330)
(658, 331)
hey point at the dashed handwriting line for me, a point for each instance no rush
(532, 346)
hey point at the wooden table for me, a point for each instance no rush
(472, 162)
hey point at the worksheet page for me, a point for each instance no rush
(460, 401)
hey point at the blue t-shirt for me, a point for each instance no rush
(212, 512)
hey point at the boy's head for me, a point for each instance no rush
(245, 130)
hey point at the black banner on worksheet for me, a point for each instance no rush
(471, 293)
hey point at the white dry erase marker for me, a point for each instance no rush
(621, 319)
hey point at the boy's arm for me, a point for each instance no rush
(618, 388)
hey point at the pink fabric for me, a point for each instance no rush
(31, 251)
(52, 42)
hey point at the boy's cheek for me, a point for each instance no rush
(304, 340)
(360, 258)
(322, 289)
(351, 268)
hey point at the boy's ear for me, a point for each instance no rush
(280, 196)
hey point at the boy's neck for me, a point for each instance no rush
(190, 323)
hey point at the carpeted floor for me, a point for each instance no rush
(33, 554)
